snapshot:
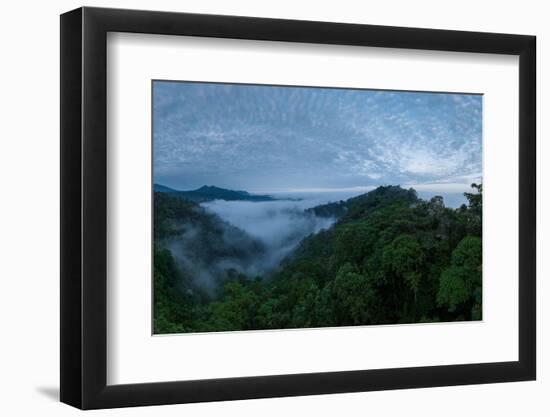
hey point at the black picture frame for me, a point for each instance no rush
(84, 207)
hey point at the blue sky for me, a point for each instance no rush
(269, 139)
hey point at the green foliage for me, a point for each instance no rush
(334, 209)
(473, 213)
(390, 258)
(404, 258)
(235, 311)
(353, 241)
(352, 296)
(460, 286)
(174, 305)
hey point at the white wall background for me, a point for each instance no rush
(29, 212)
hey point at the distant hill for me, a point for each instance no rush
(163, 189)
(362, 205)
(209, 193)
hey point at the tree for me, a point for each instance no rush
(474, 212)
(235, 311)
(352, 242)
(404, 258)
(475, 199)
(174, 303)
(460, 284)
(352, 295)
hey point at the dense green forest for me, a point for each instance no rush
(390, 257)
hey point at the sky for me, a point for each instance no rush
(269, 139)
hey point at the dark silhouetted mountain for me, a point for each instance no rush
(210, 192)
(163, 189)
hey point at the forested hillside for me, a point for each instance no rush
(390, 258)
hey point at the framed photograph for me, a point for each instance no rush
(258, 208)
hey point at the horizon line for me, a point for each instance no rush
(435, 187)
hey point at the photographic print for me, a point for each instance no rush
(286, 207)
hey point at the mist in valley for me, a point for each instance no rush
(221, 239)
(279, 225)
(246, 237)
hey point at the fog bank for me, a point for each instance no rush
(279, 225)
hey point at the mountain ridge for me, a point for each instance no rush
(207, 193)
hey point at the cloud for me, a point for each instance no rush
(262, 137)
(441, 187)
(279, 225)
(426, 162)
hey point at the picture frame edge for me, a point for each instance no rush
(83, 180)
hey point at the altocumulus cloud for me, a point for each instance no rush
(280, 138)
